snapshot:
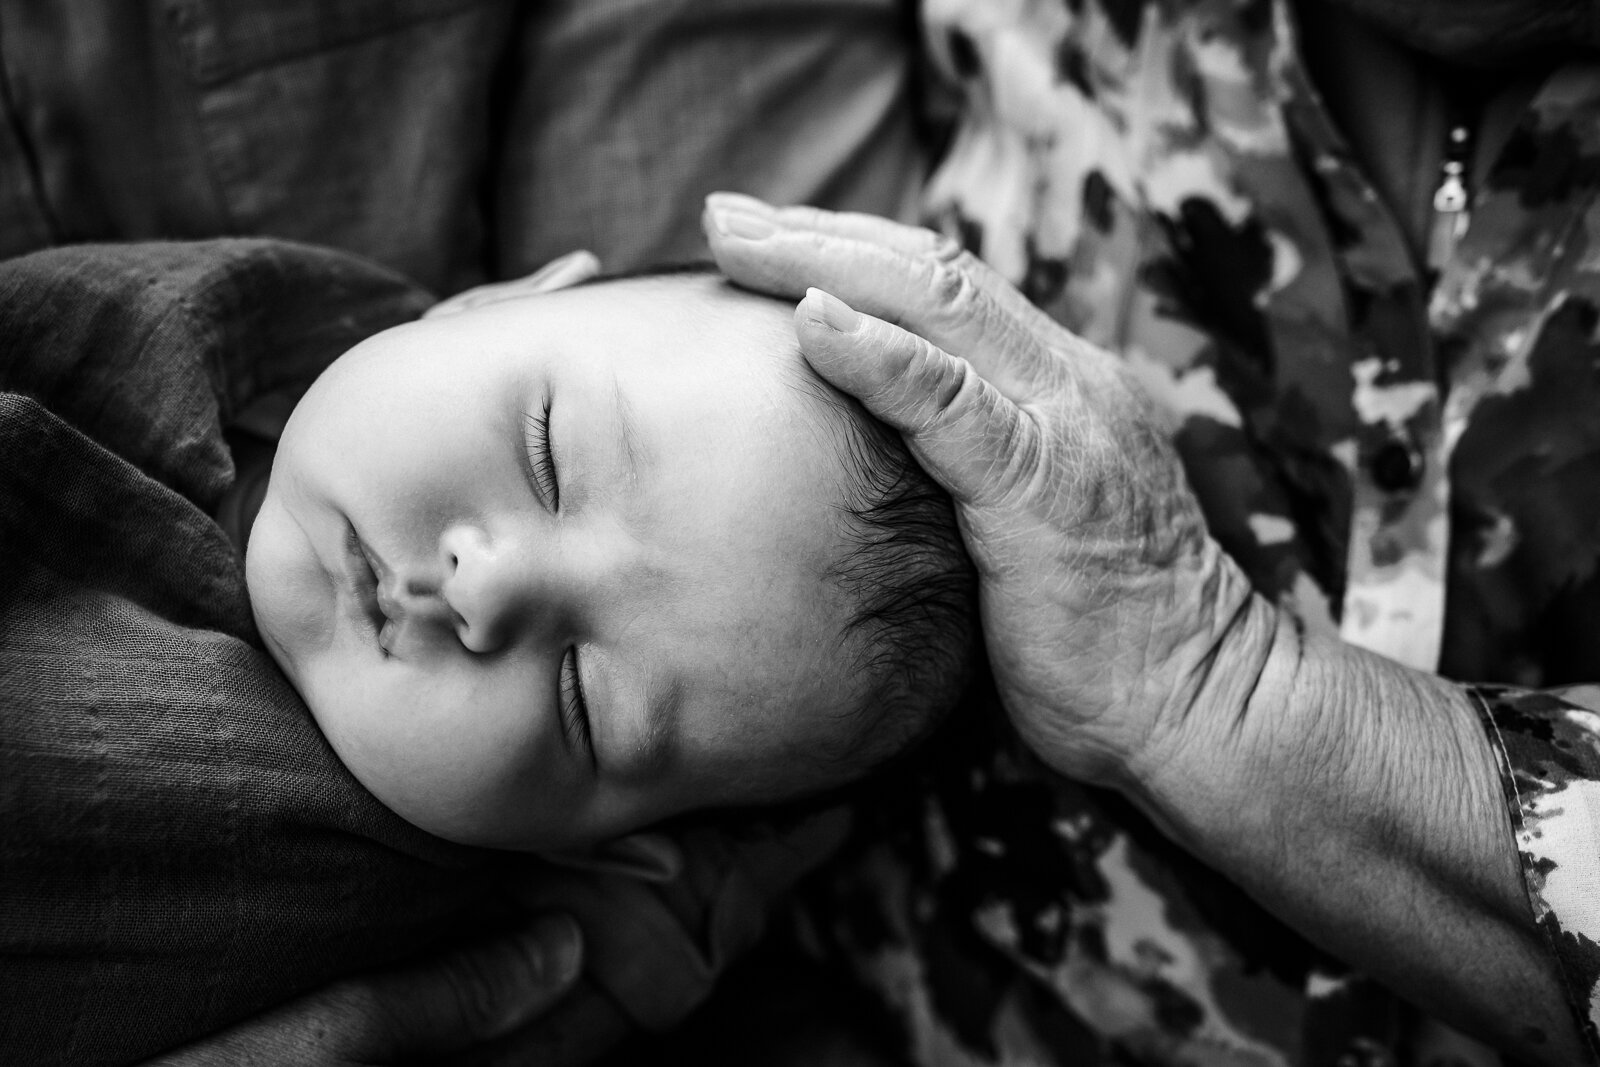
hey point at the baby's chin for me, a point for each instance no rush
(258, 587)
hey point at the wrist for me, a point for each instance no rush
(1311, 751)
(1196, 769)
(1358, 801)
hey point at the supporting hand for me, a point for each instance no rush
(487, 1004)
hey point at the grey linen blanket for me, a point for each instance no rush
(179, 847)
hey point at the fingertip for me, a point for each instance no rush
(820, 342)
(737, 216)
(585, 262)
(725, 201)
(850, 362)
(829, 312)
(555, 943)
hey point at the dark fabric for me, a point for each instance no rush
(447, 139)
(347, 122)
(178, 845)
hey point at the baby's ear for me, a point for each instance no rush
(647, 857)
(559, 273)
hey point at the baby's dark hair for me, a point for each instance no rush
(912, 635)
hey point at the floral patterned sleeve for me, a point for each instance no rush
(1547, 745)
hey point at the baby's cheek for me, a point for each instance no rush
(458, 757)
(373, 746)
(287, 590)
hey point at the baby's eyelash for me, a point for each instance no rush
(536, 435)
(574, 708)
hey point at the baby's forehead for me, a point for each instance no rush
(705, 304)
(698, 315)
(741, 348)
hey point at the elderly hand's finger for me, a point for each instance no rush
(949, 297)
(759, 252)
(975, 442)
(874, 229)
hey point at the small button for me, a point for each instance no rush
(1396, 465)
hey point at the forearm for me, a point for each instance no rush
(1359, 801)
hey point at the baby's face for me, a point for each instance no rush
(553, 569)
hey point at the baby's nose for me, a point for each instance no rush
(485, 585)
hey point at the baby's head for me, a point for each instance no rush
(552, 569)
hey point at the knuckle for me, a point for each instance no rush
(1025, 472)
(956, 286)
(946, 249)
(915, 384)
(948, 284)
(964, 261)
(951, 379)
(938, 383)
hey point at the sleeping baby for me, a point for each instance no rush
(556, 567)
(546, 569)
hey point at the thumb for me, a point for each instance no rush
(478, 993)
(974, 441)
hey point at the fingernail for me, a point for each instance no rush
(738, 202)
(743, 224)
(560, 946)
(832, 312)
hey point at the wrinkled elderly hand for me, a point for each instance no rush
(1355, 798)
(1106, 607)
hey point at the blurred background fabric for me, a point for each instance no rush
(452, 140)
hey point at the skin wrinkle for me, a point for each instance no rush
(968, 310)
(952, 382)
(1204, 672)
(977, 402)
(1333, 754)
(630, 436)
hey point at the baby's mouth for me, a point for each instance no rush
(371, 576)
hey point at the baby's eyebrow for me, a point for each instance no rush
(628, 427)
(654, 742)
